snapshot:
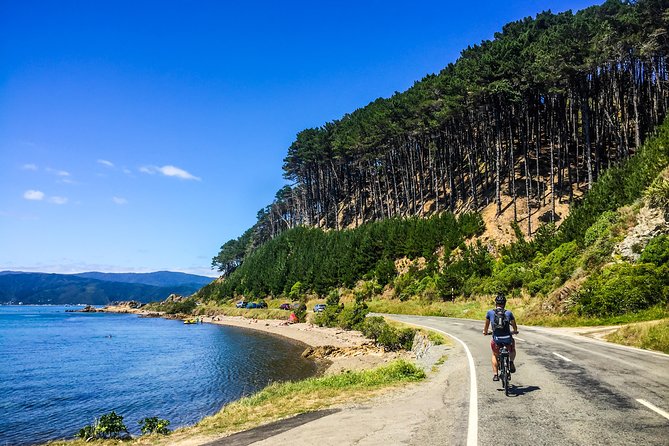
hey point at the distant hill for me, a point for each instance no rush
(42, 288)
(158, 278)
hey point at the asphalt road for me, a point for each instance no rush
(567, 390)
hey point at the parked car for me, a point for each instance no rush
(319, 308)
(261, 304)
(285, 306)
(252, 305)
(241, 304)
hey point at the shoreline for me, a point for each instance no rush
(334, 350)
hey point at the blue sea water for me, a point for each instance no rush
(60, 370)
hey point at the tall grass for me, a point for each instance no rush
(648, 335)
(280, 400)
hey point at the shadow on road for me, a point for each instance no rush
(269, 430)
(522, 390)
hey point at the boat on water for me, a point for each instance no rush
(191, 321)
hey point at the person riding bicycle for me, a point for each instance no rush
(502, 321)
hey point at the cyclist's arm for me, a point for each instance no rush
(487, 324)
(515, 327)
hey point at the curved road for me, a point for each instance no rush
(567, 389)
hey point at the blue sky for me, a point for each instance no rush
(140, 136)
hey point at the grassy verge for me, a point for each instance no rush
(280, 400)
(471, 308)
(648, 335)
(572, 320)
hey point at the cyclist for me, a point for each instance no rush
(501, 333)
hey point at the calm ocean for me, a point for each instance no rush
(59, 370)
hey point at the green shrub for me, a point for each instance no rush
(551, 270)
(108, 426)
(372, 327)
(296, 291)
(186, 306)
(154, 425)
(386, 336)
(87, 432)
(601, 228)
(656, 251)
(385, 271)
(352, 316)
(657, 193)
(301, 312)
(623, 288)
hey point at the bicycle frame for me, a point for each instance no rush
(504, 367)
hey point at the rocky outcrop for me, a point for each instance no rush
(330, 351)
(651, 222)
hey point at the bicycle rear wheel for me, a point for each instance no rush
(505, 375)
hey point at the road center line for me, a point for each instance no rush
(654, 408)
(562, 357)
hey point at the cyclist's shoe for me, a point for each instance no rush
(495, 378)
(512, 368)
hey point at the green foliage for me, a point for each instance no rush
(657, 193)
(330, 316)
(352, 316)
(296, 292)
(619, 186)
(186, 306)
(301, 312)
(108, 426)
(154, 425)
(600, 228)
(656, 251)
(623, 288)
(385, 271)
(320, 261)
(386, 336)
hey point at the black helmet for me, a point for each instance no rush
(500, 299)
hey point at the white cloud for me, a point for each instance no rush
(119, 200)
(127, 171)
(169, 171)
(58, 200)
(106, 163)
(29, 167)
(60, 173)
(35, 195)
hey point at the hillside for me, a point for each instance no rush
(535, 166)
(520, 126)
(58, 289)
(158, 278)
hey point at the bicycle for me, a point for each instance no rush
(504, 365)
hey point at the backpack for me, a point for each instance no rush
(500, 323)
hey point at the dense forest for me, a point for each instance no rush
(536, 114)
(539, 110)
(555, 109)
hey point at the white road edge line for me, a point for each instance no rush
(654, 408)
(562, 357)
(473, 422)
(519, 339)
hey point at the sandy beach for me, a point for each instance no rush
(334, 349)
